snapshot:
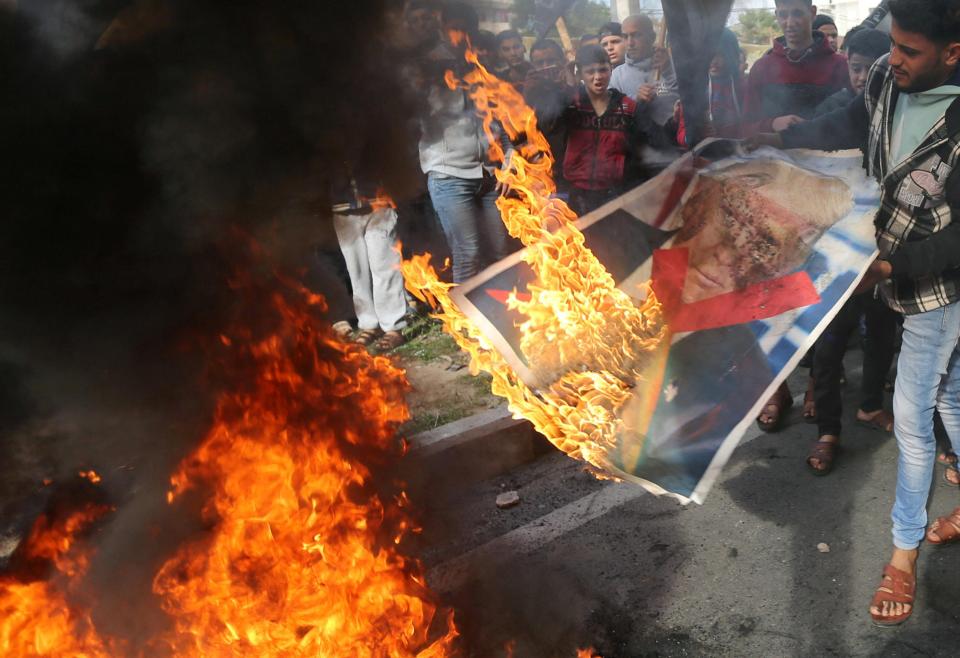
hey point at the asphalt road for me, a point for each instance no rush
(582, 562)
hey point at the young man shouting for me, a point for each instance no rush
(908, 118)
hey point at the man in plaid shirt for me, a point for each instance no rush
(907, 121)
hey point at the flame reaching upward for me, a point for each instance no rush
(37, 618)
(585, 339)
(302, 557)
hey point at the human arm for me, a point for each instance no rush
(843, 128)
(753, 121)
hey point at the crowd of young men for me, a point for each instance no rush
(611, 113)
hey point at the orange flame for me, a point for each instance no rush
(90, 475)
(587, 341)
(36, 617)
(382, 200)
(302, 557)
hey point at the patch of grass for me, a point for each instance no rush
(479, 385)
(426, 341)
(469, 394)
(429, 420)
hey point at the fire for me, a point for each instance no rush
(382, 200)
(37, 617)
(302, 557)
(91, 475)
(586, 340)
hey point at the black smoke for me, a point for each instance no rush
(146, 145)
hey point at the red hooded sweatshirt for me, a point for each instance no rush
(781, 84)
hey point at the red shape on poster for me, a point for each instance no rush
(757, 301)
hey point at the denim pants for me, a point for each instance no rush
(928, 378)
(878, 349)
(471, 222)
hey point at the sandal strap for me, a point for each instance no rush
(954, 521)
(901, 584)
(823, 449)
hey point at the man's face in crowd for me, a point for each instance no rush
(511, 51)
(830, 33)
(639, 37)
(795, 18)
(615, 47)
(918, 63)
(596, 78)
(423, 24)
(548, 63)
(485, 56)
(858, 66)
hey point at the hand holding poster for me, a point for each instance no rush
(750, 256)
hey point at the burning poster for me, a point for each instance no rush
(749, 256)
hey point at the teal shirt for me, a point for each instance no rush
(915, 115)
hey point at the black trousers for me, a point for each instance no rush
(878, 349)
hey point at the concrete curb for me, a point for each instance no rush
(472, 449)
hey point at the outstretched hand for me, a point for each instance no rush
(763, 139)
(782, 123)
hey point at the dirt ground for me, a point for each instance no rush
(443, 390)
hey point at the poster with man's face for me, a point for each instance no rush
(750, 255)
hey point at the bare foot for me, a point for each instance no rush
(905, 561)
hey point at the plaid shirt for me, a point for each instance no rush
(913, 203)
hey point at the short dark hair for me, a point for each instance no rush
(822, 19)
(853, 30)
(938, 20)
(463, 15)
(591, 55)
(868, 42)
(610, 29)
(809, 3)
(508, 34)
(547, 44)
(485, 40)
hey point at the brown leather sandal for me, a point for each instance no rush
(367, 336)
(779, 403)
(389, 341)
(945, 529)
(896, 586)
(824, 452)
(881, 421)
(947, 458)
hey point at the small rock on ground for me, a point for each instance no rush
(508, 499)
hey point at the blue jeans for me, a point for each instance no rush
(928, 378)
(470, 219)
